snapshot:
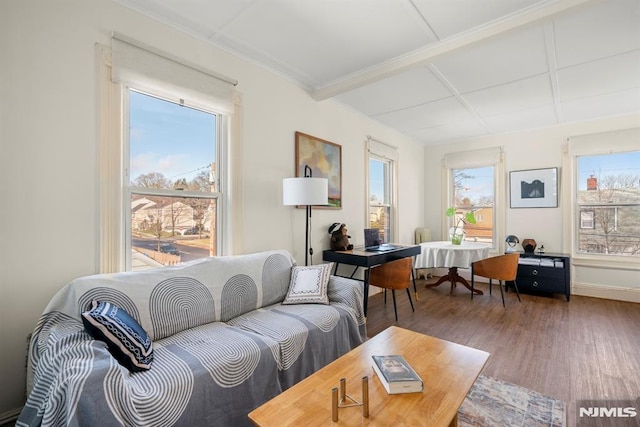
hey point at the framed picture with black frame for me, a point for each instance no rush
(534, 188)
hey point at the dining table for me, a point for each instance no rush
(453, 257)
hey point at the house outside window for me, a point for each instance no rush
(172, 194)
(608, 203)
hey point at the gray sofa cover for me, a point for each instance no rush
(223, 344)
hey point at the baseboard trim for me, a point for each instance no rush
(607, 292)
(617, 293)
(10, 416)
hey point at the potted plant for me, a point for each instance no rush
(456, 233)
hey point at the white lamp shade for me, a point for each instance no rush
(305, 191)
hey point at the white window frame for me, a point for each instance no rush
(112, 240)
(585, 222)
(621, 141)
(129, 190)
(492, 156)
(386, 153)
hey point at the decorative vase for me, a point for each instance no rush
(529, 245)
(456, 234)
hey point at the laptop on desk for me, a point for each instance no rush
(372, 241)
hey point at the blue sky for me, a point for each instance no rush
(175, 141)
(609, 164)
(376, 182)
(480, 185)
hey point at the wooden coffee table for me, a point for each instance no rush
(447, 369)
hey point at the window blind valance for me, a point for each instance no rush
(381, 149)
(605, 143)
(473, 158)
(146, 68)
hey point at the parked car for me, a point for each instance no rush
(168, 248)
(190, 231)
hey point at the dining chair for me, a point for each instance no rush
(393, 275)
(501, 268)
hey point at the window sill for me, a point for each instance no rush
(598, 261)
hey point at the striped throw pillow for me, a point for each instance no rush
(126, 340)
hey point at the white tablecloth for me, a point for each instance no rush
(445, 254)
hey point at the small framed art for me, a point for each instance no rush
(534, 188)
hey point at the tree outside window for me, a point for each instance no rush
(609, 204)
(473, 191)
(172, 194)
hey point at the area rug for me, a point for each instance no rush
(492, 402)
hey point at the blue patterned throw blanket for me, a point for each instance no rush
(223, 344)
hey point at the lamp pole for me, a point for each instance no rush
(308, 249)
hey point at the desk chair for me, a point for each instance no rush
(501, 268)
(393, 275)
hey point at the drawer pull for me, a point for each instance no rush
(534, 272)
(535, 284)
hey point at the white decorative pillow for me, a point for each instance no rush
(309, 284)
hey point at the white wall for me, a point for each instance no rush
(48, 216)
(48, 159)
(533, 150)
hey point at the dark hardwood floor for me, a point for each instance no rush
(588, 348)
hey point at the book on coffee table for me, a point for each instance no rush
(396, 375)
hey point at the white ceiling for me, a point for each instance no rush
(436, 70)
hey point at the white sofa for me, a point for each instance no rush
(223, 344)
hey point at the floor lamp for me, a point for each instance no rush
(306, 191)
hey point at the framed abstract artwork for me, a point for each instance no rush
(325, 160)
(534, 188)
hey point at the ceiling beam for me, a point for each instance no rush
(527, 16)
(550, 42)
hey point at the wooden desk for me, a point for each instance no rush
(447, 369)
(358, 257)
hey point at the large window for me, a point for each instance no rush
(474, 191)
(608, 204)
(470, 185)
(172, 196)
(381, 196)
(164, 126)
(381, 188)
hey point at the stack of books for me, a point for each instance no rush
(529, 261)
(396, 375)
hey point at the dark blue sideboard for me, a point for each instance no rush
(544, 272)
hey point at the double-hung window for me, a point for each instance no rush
(164, 136)
(606, 195)
(382, 167)
(474, 191)
(471, 186)
(172, 194)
